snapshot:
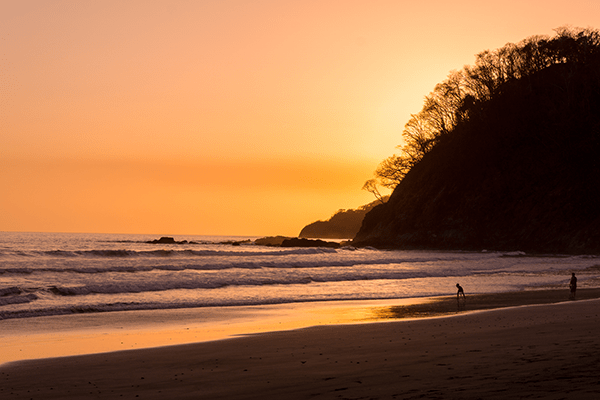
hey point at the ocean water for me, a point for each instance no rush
(64, 273)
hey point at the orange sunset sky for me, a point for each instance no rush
(223, 117)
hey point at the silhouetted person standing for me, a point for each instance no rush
(460, 291)
(573, 285)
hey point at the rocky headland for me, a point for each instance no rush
(519, 170)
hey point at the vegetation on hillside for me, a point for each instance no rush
(463, 95)
(503, 156)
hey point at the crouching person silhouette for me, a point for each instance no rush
(460, 291)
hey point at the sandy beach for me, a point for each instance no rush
(518, 349)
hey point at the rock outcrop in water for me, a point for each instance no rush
(301, 242)
(522, 172)
(167, 240)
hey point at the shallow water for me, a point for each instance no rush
(59, 273)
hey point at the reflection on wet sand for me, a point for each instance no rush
(438, 306)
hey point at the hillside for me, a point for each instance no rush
(344, 224)
(522, 172)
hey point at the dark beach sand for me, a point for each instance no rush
(549, 351)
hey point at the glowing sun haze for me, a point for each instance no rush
(223, 117)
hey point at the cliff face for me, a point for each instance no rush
(523, 173)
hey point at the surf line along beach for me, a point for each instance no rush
(524, 350)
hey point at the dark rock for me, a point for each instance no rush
(271, 240)
(167, 240)
(300, 242)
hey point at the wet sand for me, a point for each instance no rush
(549, 351)
(78, 334)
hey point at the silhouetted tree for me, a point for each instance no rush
(371, 186)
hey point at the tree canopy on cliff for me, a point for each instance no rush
(462, 95)
(514, 166)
